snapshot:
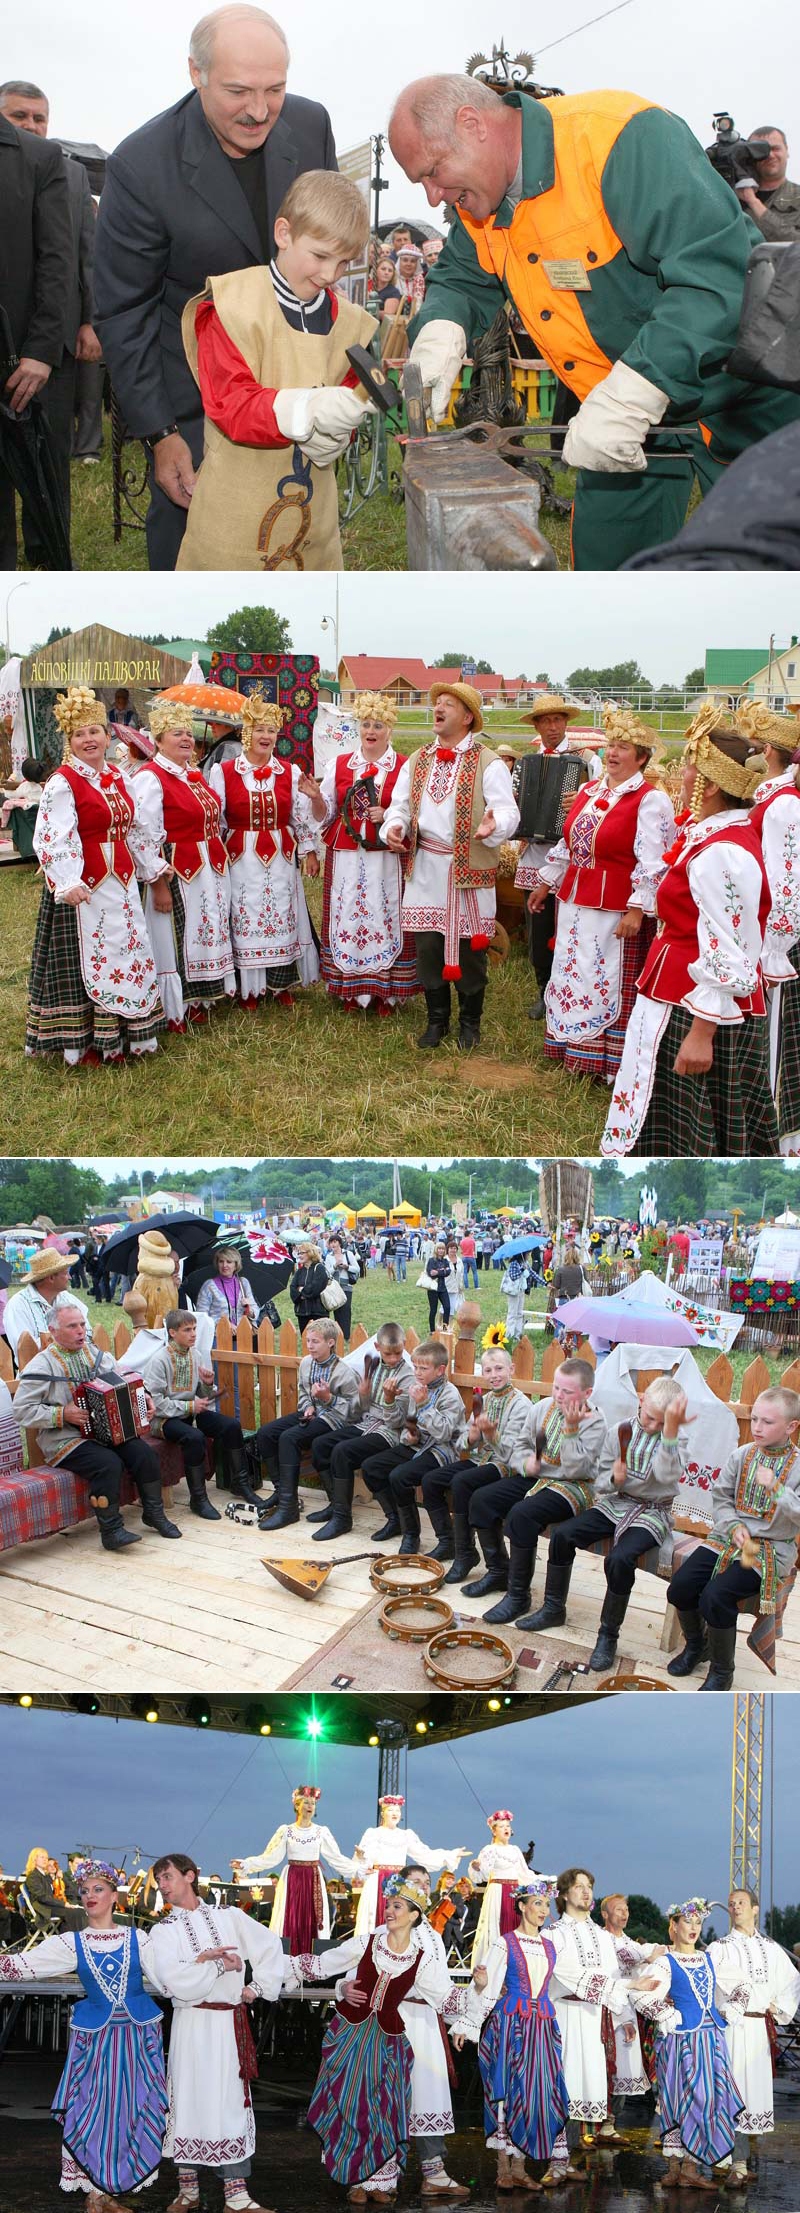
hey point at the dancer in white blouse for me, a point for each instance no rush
(760, 1976)
(266, 826)
(499, 1867)
(188, 910)
(367, 955)
(300, 1911)
(383, 1851)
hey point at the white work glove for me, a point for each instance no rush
(321, 421)
(438, 353)
(610, 428)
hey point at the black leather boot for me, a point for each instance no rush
(408, 1516)
(615, 1607)
(438, 1005)
(114, 1537)
(340, 1518)
(556, 1592)
(722, 1654)
(237, 1471)
(694, 1645)
(520, 1574)
(466, 1554)
(153, 1514)
(439, 1515)
(470, 1009)
(323, 1513)
(287, 1509)
(199, 1501)
(496, 1557)
(391, 1526)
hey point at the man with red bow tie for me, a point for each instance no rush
(452, 808)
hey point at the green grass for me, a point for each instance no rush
(311, 1080)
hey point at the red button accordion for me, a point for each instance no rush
(117, 1411)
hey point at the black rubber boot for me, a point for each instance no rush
(438, 1005)
(199, 1501)
(554, 1607)
(518, 1595)
(722, 1653)
(470, 1009)
(407, 1512)
(466, 1553)
(615, 1607)
(439, 1515)
(391, 1526)
(537, 1012)
(153, 1514)
(340, 1518)
(287, 1509)
(694, 1646)
(114, 1537)
(496, 1557)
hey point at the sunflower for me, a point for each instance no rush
(495, 1338)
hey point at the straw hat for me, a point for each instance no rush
(47, 1262)
(551, 703)
(464, 692)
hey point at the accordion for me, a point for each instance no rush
(546, 787)
(117, 1411)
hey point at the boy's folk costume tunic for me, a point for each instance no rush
(367, 952)
(259, 503)
(211, 2057)
(112, 2096)
(266, 822)
(93, 982)
(192, 944)
(764, 1984)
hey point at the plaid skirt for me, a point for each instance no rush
(61, 1016)
(397, 983)
(787, 1088)
(601, 1058)
(728, 1111)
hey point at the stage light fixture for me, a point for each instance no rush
(421, 1728)
(313, 1726)
(265, 1729)
(26, 1699)
(199, 1712)
(373, 1740)
(493, 1705)
(151, 1713)
(83, 1703)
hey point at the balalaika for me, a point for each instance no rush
(117, 1411)
(546, 784)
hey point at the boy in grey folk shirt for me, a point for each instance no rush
(433, 1434)
(383, 1406)
(752, 1544)
(327, 1399)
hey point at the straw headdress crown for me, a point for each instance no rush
(259, 711)
(375, 707)
(75, 708)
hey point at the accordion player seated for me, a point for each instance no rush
(74, 1398)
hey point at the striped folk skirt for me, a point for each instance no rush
(61, 1016)
(520, 2062)
(786, 1019)
(361, 2107)
(729, 1111)
(598, 1051)
(697, 2093)
(112, 2101)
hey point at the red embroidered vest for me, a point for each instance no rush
(384, 1993)
(105, 815)
(265, 810)
(191, 819)
(665, 975)
(602, 858)
(758, 810)
(337, 836)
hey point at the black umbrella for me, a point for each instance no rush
(187, 1232)
(267, 1277)
(26, 454)
(6, 1274)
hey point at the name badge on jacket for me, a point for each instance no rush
(567, 276)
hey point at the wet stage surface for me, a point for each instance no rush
(287, 2174)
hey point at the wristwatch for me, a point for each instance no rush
(154, 437)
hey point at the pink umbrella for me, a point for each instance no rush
(626, 1325)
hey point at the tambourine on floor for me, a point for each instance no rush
(414, 1617)
(408, 1576)
(469, 1659)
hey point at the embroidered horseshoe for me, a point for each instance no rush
(289, 555)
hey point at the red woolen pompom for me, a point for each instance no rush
(451, 975)
(479, 942)
(551, 944)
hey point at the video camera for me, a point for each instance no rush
(736, 158)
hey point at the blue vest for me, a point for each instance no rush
(112, 1980)
(516, 1992)
(692, 1992)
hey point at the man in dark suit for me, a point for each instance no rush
(35, 259)
(28, 109)
(194, 194)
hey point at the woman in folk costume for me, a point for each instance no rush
(383, 2076)
(605, 872)
(502, 1868)
(112, 2096)
(268, 348)
(266, 823)
(188, 910)
(775, 817)
(507, 2011)
(367, 959)
(698, 2099)
(383, 1851)
(300, 1911)
(93, 991)
(694, 1076)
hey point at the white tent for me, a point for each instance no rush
(714, 1326)
(711, 1436)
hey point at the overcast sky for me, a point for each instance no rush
(107, 71)
(515, 622)
(610, 1781)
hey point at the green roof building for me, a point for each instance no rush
(727, 667)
